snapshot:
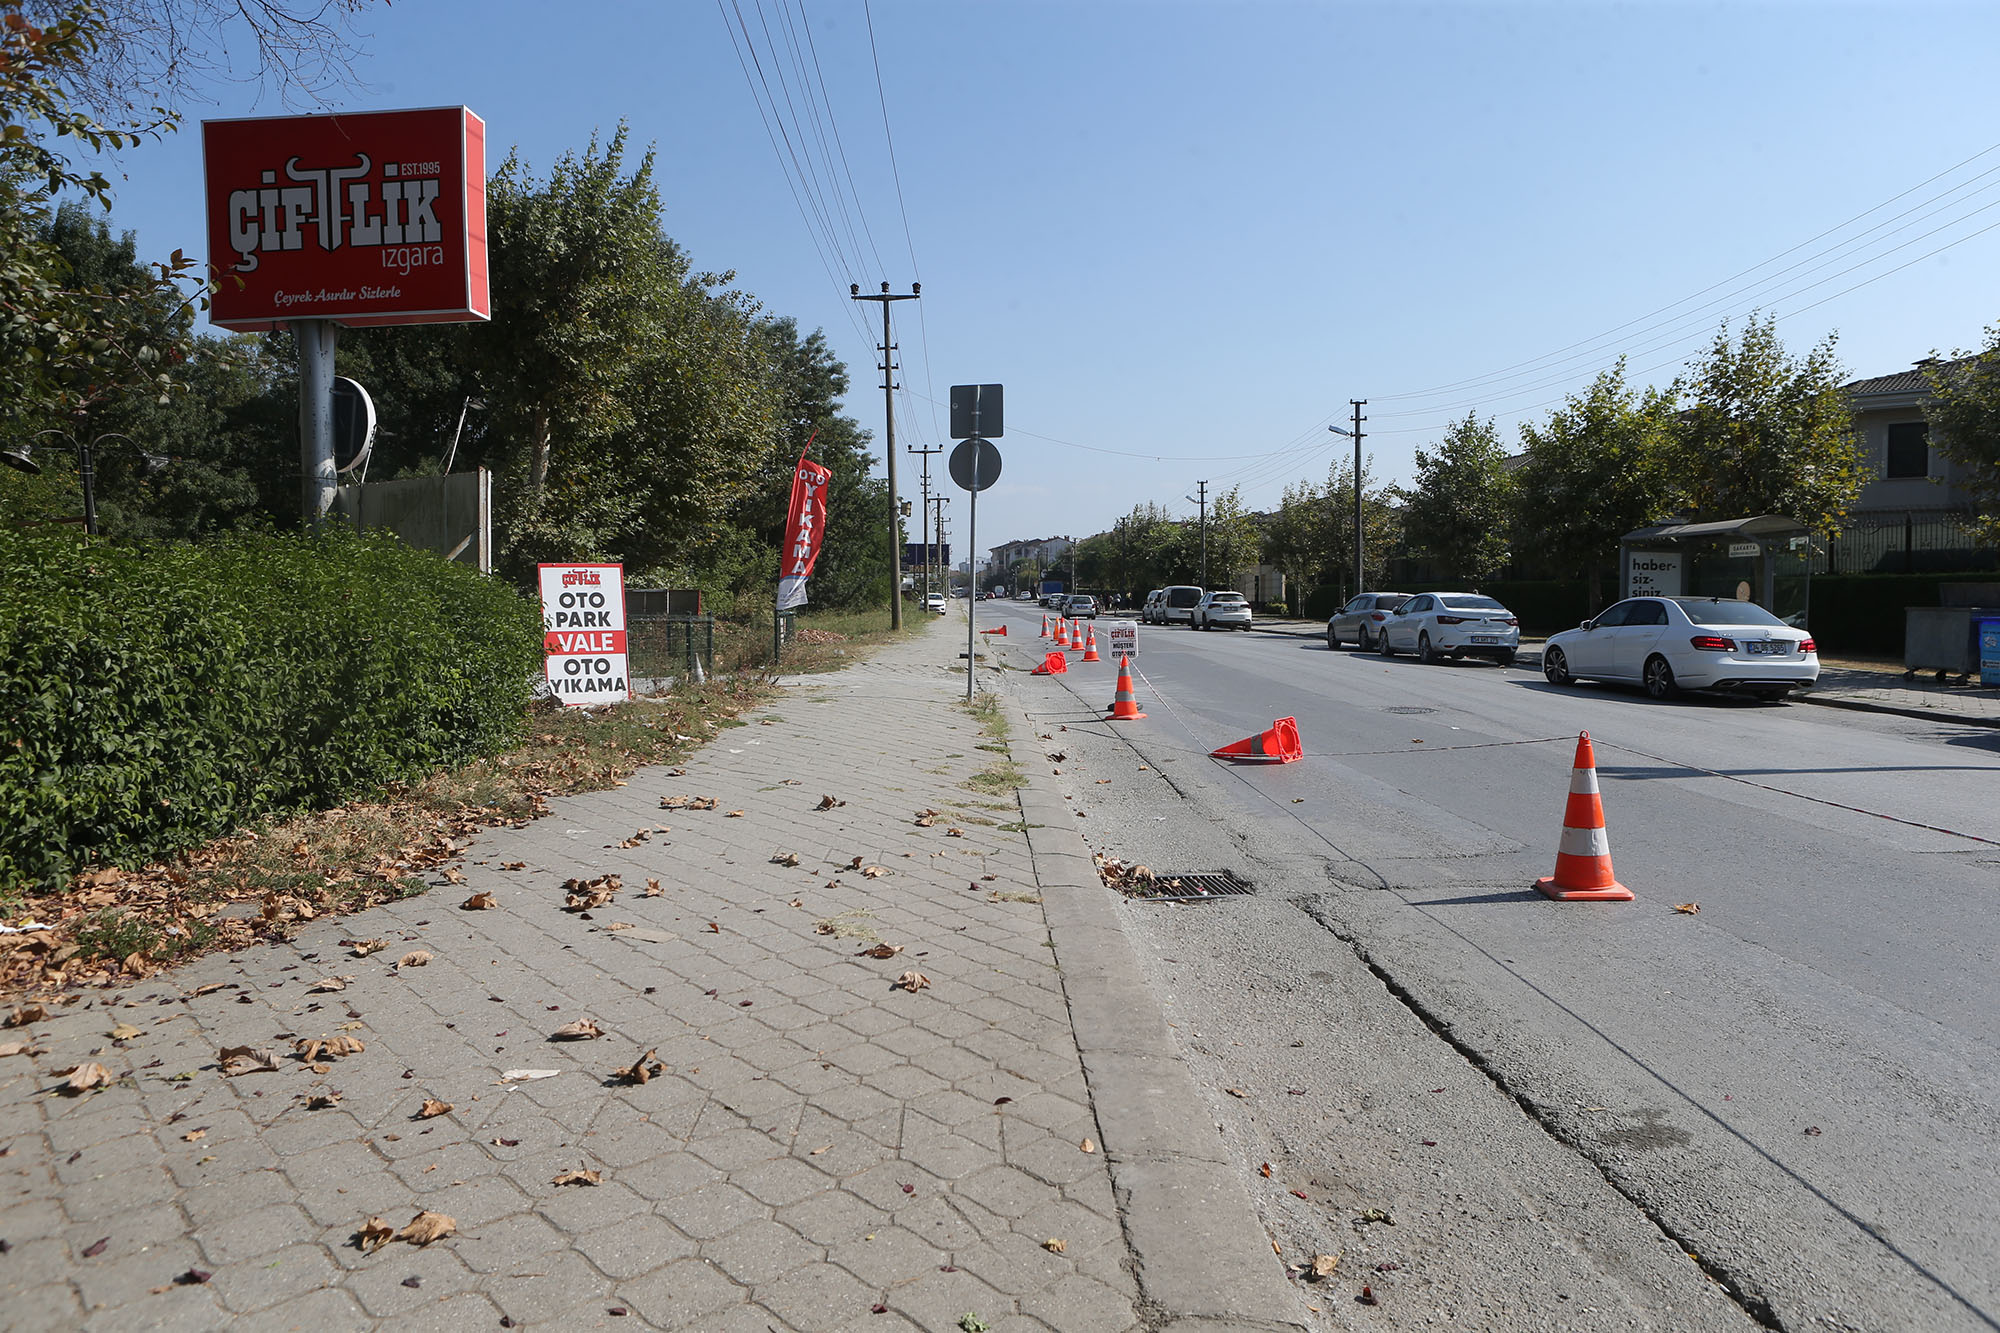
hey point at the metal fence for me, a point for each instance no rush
(1915, 542)
(671, 645)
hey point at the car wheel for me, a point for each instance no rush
(1659, 678)
(1425, 653)
(1332, 640)
(1774, 696)
(1555, 666)
(1361, 643)
(1382, 645)
(1506, 659)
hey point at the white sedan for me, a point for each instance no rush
(1221, 610)
(1437, 625)
(1669, 644)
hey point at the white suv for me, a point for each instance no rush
(1223, 609)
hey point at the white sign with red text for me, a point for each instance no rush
(583, 633)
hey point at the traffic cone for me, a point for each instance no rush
(1279, 743)
(1090, 647)
(1045, 626)
(1124, 704)
(1583, 861)
(1002, 630)
(1062, 633)
(1054, 665)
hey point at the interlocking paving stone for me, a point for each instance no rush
(716, 1212)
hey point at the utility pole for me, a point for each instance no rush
(888, 368)
(937, 528)
(927, 511)
(1202, 486)
(1357, 403)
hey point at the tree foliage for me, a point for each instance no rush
(1769, 433)
(1964, 412)
(1601, 465)
(1459, 510)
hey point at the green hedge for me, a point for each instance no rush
(154, 696)
(1863, 613)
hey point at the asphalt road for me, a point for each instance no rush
(1788, 1098)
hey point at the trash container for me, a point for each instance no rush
(1989, 650)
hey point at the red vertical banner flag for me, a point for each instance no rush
(805, 525)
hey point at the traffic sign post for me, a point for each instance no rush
(975, 465)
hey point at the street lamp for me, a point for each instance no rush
(20, 457)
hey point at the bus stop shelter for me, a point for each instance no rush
(1766, 560)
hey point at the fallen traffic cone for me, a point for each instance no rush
(1062, 633)
(1583, 861)
(1090, 647)
(1124, 704)
(1279, 743)
(1001, 630)
(1054, 665)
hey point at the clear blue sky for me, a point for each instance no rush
(1183, 235)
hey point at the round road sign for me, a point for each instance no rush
(975, 464)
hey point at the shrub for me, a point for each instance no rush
(154, 696)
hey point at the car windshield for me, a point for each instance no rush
(1462, 602)
(1721, 611)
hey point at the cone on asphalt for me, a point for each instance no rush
(1062, 632)
(1001, 630)
(1045, 625)
(1055, 664)
(1124, 704)
(1278, 744)
(1583, 861)
(1090, 646)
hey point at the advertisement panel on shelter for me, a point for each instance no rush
(583, 633)
(1653, 574)
(367, 219)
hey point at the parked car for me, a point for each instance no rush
(1079, 606)
(1669, 644)
(1025, 595)
(1177, 604)
(1361, 619)
(1437, 625)
(1149, 611)
(934, 601)
(1223, 608)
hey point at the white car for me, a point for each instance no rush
(934, 602)
(1437, 625)
(1669, 644)
(1223, 609)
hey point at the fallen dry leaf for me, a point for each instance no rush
(426, 1227)
(954, 833)
(583, 895)
(880, 951)
(785, 859)
(1265, 1170)
(324, 1099)
(1236, 1092)
(855, 864)
(414, 958)
(329, 985)
(247, 1060)
(829, 802)
(583, 1029)
(734, 814)
(687, 803)
(8, 1048)
(513, 865)
(1087, 1146)
(639, 1070)
(313, 1049)
(579, 1176)
(84, 1077)
(1055, 1246)
(1689, 908)
(526, 1075)
(431, 1109)
(1323, 1266)
(125, 1032)
(824, 1147)
(373, 1235)
(913, 981)
(25, 1014)
(874, 872)
(652, 889)
(362, 948)
(478, 902)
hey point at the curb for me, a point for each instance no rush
(1921, 714)
(1202, 1260)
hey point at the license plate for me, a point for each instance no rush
(1486, 638)
(1770, 647)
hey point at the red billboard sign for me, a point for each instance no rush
(365, 219)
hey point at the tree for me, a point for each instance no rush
(1964, 412)
(1234, 544)
(1459, 510)
(1768, 433)
(1599, 467)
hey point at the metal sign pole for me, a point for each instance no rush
(315, 339)
(972, 583)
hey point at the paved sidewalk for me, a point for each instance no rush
(818, 1149)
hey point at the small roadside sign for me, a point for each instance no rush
(1120, 636)
(583, 633)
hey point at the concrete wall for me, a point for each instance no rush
(452, 515)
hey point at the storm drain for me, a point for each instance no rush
(1192, 888)
(1409, 710)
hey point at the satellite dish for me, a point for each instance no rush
(353, 424)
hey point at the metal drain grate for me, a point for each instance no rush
(1409, 710)
(1195, 888)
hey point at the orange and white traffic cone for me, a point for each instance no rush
(1062, 633)
(1045, 625)
(1280, 743)
(1583, 861)
(1000, 630)
(1124, 704)
(1055, 664)
(1090, 646)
